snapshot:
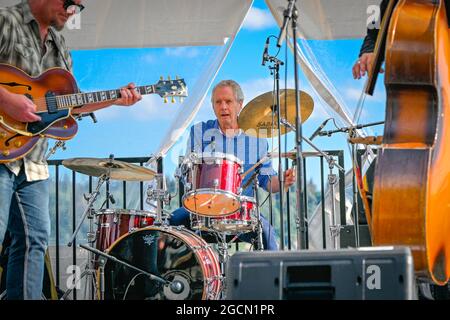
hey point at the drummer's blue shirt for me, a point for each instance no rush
(207, 137)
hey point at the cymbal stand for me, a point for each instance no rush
(88, 213)
(259, 229)
(161, 196)
(335, 227)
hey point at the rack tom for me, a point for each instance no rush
(212, 184)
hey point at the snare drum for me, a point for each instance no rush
(212, 184)
(114, 223)
(244, 220)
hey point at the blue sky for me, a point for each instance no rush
(139, 130)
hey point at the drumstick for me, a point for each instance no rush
(263, 159)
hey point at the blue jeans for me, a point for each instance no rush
(182, 217)
(24, 211)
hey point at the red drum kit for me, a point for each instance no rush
(136, 254)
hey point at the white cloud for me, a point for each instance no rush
(259, 19)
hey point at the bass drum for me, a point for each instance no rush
(173, 253)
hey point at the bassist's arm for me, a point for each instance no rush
(364, 63)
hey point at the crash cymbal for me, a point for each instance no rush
(117, 170)
(256, 117)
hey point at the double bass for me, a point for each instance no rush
(411, 200)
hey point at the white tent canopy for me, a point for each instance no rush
(147, 23)
(329, 19)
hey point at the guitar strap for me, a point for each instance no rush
(58, 47)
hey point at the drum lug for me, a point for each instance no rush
(216, 183)
(239, 191)
(188, 186)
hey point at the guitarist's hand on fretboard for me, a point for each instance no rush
(18, 107)
(128, 96)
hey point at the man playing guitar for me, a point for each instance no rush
(29, 40)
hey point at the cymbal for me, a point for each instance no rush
(256, 117)
(293, 155)
(117, 170)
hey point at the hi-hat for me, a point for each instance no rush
(116, 170)
(256, 117)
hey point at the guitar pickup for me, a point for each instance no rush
(50, 99)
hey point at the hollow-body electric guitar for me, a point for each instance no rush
(55, 93)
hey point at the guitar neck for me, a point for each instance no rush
(80, 99)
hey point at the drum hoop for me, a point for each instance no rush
(231, 222)
(208, 191)
(199, 157)
(141, 213)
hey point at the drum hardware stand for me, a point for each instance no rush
(332, 179)
(88, 213)
(259, 229)
(58, 144)
(161, 196)
(222, 249)
(352, 133)
(335, 227)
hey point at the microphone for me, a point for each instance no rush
(287, 17)
(266, 52)
(111, 197)
(315, 133)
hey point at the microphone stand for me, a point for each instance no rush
(275, 70)
(351, 128)
(291, 14)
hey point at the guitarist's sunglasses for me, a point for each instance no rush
(71, 7)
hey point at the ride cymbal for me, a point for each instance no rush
(116, 170)
(256, 117)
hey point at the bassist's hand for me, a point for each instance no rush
(363, 65)
(18, 107)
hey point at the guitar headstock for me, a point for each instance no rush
(171, 88)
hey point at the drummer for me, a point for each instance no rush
(224, 136)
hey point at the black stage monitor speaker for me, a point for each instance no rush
(352, 274)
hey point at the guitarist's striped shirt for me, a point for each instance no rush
(20, 46)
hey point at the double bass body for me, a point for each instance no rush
(411, 202)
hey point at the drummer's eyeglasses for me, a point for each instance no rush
(72, 8)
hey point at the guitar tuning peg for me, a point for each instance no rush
(168, 78)
(177, 77)
(173, 99)
(165, 100)
(181, 99)
(161, 78)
